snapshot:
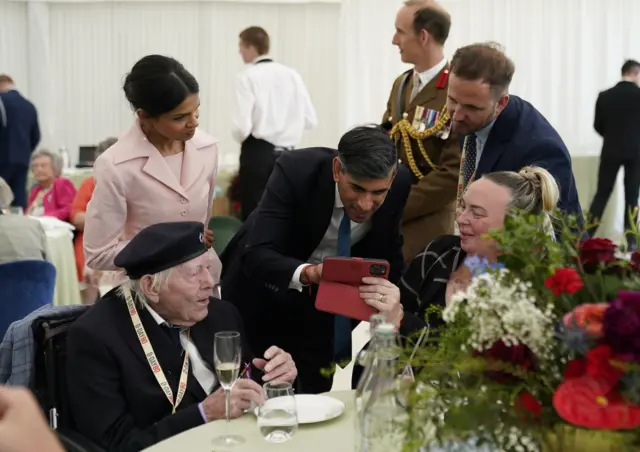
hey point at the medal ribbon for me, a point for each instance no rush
(154, 364)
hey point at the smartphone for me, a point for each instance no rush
(338, 291)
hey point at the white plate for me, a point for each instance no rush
(313, 408)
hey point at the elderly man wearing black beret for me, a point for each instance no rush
(140, 362)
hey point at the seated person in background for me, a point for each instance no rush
(78, 210)
(21, 238)
(436, 273)
(114, 375)
(52, 195)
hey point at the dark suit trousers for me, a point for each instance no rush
(257, 159)
(16, 177)
(607, 174)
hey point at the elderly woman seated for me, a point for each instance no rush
(439, 271)
(21, 238)
(53, 195)
(140, 362)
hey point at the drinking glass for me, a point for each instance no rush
(227, 353)
(278, 417)
(16, 210)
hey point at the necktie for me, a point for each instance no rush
(174, 335)
(469, 164)
(416, 86)
(342, 325)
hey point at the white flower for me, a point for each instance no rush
(498, 307)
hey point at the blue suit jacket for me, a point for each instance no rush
(521, 137)
(19, 131)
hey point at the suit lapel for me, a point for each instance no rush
(192, 167)
(157, 168)
(167, 354)
(322, 205)
(498, 139)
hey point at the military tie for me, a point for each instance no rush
(174, 334)
(417, 85)
(469, 164)
(342, 325)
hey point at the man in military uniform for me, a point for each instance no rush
(417, 120)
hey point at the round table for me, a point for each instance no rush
(337, 435)
(60, 254)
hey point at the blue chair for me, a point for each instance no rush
(24, 287)
(224, 228)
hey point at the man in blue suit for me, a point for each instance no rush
(502, 132)
(19, 136)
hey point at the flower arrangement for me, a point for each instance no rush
(540, 352)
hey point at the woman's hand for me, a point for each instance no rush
(383, 296)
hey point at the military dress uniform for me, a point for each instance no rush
(420, 126)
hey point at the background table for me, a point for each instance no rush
(337, 435)
(60, 254)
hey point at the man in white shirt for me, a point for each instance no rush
(416, 114)
(273, 108)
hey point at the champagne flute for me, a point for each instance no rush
(227, 353)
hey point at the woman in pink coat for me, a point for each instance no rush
(53, 195)
(163, 169)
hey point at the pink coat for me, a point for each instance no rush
(136, 188)
(56, 203)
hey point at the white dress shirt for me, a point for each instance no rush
(199, 367)
(328, 246)
(430, 74)
(272, 104)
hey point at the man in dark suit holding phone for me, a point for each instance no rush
(319, 202)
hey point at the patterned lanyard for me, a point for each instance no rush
(154, 364)
(461, 187)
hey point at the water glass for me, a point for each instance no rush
(278, 417)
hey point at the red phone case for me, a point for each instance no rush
(338, 290)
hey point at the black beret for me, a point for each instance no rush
(161, 246)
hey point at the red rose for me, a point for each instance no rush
(599, 366)
(576, 368)
(528, 403)
(516, 356)
(595, 250)
(564, 280)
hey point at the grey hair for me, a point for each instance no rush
(159, 280)
(6, 194)
(56, 159)
(104, 145)
(367, 153)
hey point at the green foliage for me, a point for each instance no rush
(456, 391)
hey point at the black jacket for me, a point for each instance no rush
(114, 397)
(617, 120)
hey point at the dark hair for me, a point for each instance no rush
(157, 84)
(486, 62)
(256, 37)
(367, 153)
(432, 18)
(630, 67)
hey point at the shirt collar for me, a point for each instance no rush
(483, 134)
(430, 74)
(260, 58)
(159, 320)
(338, 202)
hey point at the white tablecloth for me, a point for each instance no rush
(337, 435)
(60, 254)
(585, 170)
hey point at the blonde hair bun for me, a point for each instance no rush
(545, 186)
